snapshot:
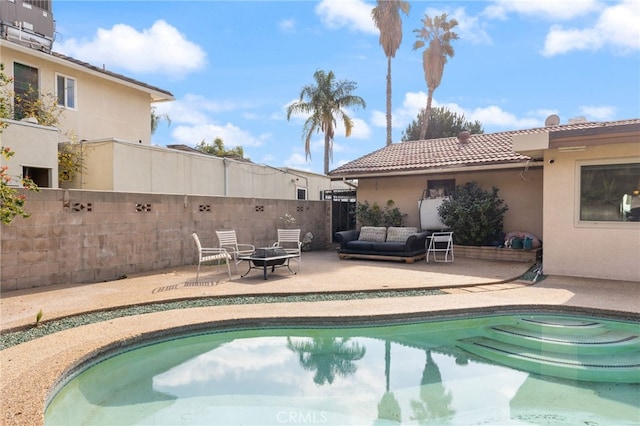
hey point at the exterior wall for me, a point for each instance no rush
(33, 145)
(89, 236)
(607, 250)
(521, 191)
(104, 109)
(112, 165)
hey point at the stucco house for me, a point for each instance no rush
(109, 114)
(576, 186)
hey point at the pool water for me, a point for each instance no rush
(432, 372)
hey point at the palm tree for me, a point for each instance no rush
(324, 102)
(386, 17)
(436, 34)
(327, 356)
(156, 118)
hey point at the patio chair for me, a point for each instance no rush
(289, 240)
(229, 241)
(208, 254)
(441, 242)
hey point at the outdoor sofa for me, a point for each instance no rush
(378, 242)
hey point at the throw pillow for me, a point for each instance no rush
(398, 234)
(373, 233)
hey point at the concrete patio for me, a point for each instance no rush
(31, 370)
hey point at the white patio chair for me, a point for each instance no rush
(440, 242)
(289, 240)
(208, 254)
(229, 241)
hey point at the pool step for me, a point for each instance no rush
(567, 342)
(621, 368)
(572, 348)
(560, 325)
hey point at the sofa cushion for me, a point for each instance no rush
(373, 233)
(399, 234)
(389, 247)
(359, 245)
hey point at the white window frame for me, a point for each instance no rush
(65, 95)
(578, 191)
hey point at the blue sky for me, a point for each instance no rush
(234, 66)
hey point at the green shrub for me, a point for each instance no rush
(475, 216)
(373, 215)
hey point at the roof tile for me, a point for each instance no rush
(489, 148)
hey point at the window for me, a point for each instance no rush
(610, 192)
(301, 193)
(66, 91)
(42, 4)
(40, 176)
(439, 188)
(25, 86)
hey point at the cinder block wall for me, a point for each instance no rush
(76, 236)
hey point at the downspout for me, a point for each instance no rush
(226, 177)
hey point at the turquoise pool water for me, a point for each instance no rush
(498, 370)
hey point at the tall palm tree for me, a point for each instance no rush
(436, 34)
(156, 118)
(323, 102)
(386, 17)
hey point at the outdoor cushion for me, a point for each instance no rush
(373, 233)
(389, 247)
(399, 234)
(359, 245)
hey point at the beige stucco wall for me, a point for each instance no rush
(608, 250)
(104, 108)
(112, 165)
(521, 191)
(33, 145)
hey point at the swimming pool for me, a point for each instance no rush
(502, 369)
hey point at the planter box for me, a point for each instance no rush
(496, 253)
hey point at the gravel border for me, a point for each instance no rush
(13, 338)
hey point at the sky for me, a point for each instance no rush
(234, 66)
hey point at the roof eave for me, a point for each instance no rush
(157, 95)
(531, 163)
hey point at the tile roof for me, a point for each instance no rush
(481, 149)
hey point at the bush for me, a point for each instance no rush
(375, 216)
(475, 216)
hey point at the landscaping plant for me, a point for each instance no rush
(475, 216)
(373, 215)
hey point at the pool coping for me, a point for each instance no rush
(67, 351)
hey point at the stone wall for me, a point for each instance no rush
(76, 236)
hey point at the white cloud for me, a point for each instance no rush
(470, 28)
(618, 26)
(296, 160)
(598, 113)
(353, 14)
(494, 116)
(195, 109)
(490, 116)
(548, 9)
(230, 134)
(160, 49)
(287, 25)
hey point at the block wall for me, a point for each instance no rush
(78, 236)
